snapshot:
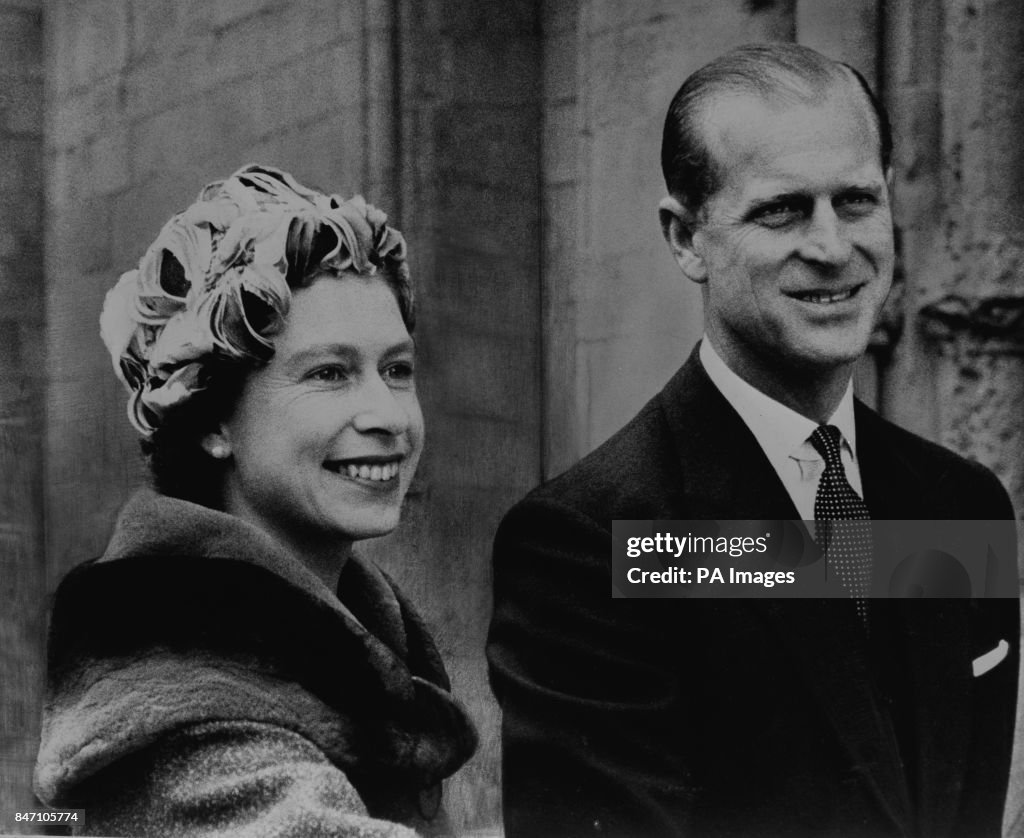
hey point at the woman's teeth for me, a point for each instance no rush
(376, 472)
(821, 297)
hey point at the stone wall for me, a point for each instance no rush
(22, 582)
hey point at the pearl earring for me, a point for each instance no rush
(219, 451)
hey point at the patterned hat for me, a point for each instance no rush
(216, 284)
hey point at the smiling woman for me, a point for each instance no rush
(229, 665)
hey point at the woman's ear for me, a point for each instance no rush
(678, 225)
(216, 444)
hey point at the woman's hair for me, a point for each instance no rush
(185, 328)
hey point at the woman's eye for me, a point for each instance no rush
(401, 373)
(329, 373)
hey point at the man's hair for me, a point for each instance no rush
(772, 71)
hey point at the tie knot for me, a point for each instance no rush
(826, 441)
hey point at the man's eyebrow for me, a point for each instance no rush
(791, 195)
(798, 195)
(794, 196)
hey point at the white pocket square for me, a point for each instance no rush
(982, 664)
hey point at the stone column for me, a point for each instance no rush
(954, 85)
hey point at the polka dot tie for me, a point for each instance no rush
(842, 521)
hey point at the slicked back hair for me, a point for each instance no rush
(775, 72)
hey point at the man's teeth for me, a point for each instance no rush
(822, 297)
(375, 472)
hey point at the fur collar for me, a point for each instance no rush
(192, 615)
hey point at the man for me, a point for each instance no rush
(756, 717)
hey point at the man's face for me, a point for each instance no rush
(796, 247)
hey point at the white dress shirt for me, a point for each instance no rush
(784, 435)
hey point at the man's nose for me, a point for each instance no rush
(826, 241)
(379, 409)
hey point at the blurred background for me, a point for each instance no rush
(515, 143)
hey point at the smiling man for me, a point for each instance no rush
(840, 717)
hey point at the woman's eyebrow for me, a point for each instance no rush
(344, 350)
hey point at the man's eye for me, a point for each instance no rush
(778, 214)
(329, 373)
(400, 374)
(856, 202)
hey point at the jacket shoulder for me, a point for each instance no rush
(631, 475)
(945, 484)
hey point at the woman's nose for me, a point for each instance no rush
(380, 409)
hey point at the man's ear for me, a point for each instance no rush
(677, 225)
(217, 444)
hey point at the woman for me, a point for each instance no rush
(229, 666)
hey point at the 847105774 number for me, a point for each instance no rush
(72, 816)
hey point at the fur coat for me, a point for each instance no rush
(202, 681)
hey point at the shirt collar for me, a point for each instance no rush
(780, 431)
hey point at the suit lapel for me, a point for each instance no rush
(727, 476)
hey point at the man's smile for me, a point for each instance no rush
(825, 297)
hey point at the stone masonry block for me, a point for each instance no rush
(225, 12)
(626, 188)
(91, 41)
(168, 77)
(496, 147)
(138, 214)
(65, 176)
(500, 224)
(497, 70)
(509, 17)
(496, 294)
(21, 45)
(21, 184)
(154, 26)
(21, 283)
(75, 352)
(344, 68)
(172, 140)
(82, 235)
(72, 118)
(641, 292)
(486, 376)
(279, 33)
(560, 17)
(108, 161)
(464, 441)
(20, 488)
(561, 221)
(21, 106)
(560, 67)
(603, 16)
(562, 142)
(328, 153)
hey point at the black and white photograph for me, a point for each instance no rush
(343, 342)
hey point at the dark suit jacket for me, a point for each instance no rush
(741, 717)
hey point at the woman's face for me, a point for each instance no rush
(325, 439)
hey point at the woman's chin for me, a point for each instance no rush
(356, 525)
